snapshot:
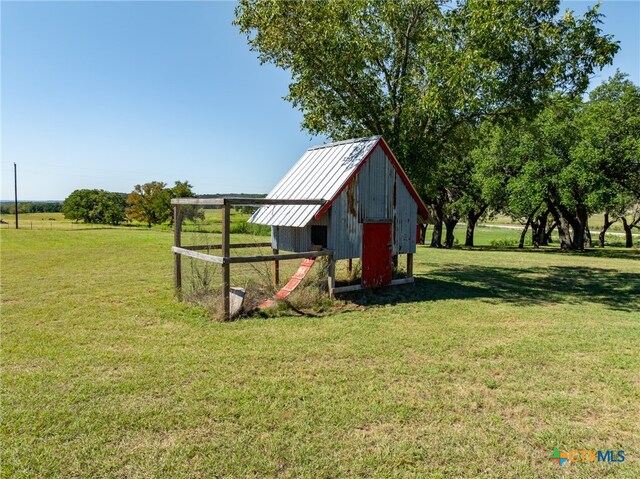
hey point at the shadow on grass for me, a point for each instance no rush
(520, 286)
(614, 253)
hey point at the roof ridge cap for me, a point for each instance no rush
(344, 142)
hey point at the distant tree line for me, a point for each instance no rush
(31, 207)
(148, 203)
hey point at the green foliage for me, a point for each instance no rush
(610, 142)
(95, 206)
(574, 157)
(182, 189)
(424, 73)
(415, 71)
(522, 164)
(504, 242)
(7, 208)
(149, 203)
(247, 209)
(243, 227)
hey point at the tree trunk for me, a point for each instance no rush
(468, 239)
(436, 236)
(627, 232)
(588, 242)
(539, 230)
(547, 236)
(523, 235)
(423, 236)
(603, 230)
(535, 233)
(562, 224)
(450, 224)
(564, 235)
(576, 222)
(579, 225)
(472, 220)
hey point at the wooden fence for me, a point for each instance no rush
(226, 260)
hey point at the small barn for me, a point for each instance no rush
(371, 211)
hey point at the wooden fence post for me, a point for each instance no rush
(349, 265)
(177, 258)
(276, 268)
(226, 277)
(331, 279)
(410, 265)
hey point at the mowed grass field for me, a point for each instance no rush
(492, 359)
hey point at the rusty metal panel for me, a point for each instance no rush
(345, 230)
(318, 174)
(405, 220)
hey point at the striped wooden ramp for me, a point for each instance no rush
(293, 283)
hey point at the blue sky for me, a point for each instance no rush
(110, 94)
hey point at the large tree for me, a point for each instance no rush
(151, 202)
(572, 160)
(95, 206)
(416, 71)
(610, 131)
(610, 142)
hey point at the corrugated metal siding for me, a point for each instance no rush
(370, 197)
(345, 229)
(291, 238)
(405, 219)
(375, 188)
(319, 174)
(376, 193)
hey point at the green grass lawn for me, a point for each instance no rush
(492, 359)
(56, 221)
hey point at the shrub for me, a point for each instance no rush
(504, 242)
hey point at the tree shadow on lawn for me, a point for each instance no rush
(520, 286)
(609, 252)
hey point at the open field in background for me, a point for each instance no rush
(493, 358)
(595, 223)
(486, 233)
(56, 221)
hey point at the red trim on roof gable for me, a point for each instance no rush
(422, 209)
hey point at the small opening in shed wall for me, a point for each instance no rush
(319, 235)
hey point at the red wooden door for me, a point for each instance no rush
(376, 254)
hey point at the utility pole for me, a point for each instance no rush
(15, 182)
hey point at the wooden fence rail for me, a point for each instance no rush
(232, 246)
(225, 259)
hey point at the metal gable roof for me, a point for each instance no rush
(319, 174)
(322, 173)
